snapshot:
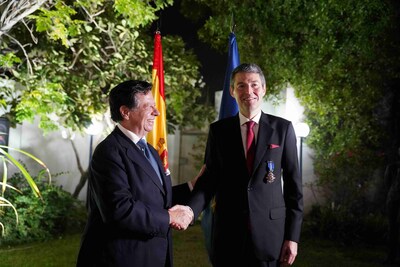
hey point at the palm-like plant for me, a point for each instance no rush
(6, 158)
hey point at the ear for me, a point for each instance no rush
(124, 110)
(231, 91)
(264, 90)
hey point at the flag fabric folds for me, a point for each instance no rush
(228, 108)
(158, 136)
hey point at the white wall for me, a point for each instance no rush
(57, 153)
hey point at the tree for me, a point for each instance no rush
(80, 50)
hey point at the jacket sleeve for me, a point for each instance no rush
(180, 194)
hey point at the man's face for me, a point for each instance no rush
(140, 120)
(248, 92)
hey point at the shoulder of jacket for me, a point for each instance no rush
(225, 121)
(275, 119)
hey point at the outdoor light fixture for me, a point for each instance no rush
(302, 130)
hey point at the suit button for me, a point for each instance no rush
(249, 188)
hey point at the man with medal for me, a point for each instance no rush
(252, 170)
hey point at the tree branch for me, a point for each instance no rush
(78, 161)
(28, 62)
(15, 11)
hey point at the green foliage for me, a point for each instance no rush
(6, 158)
(40, 219)
(41, 100)
(83, 49)
(303, 42)
(140, 13)
(8, 60)
(184, 89)
(198, 150)
(348, 225)
(10, 96)
(346, 177)
(57, 22)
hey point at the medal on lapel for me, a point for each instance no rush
(270, 175)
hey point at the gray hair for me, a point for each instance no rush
(247, 68)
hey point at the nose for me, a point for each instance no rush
(155, 111)
(248, 89)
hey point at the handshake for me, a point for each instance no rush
(180, 217)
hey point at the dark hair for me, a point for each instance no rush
(248, 68)
(124, 94)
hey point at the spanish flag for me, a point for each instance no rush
(158, 136)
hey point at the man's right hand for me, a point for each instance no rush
(180, 217)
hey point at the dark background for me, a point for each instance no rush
(213, 63)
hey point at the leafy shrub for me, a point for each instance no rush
(346, 225)
(40, 219)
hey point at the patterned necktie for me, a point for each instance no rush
(250, 146)
(145, 149)
(143, 146)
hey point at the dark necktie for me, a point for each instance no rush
(250, 146)
(145, 149)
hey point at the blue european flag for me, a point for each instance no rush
(229, 106)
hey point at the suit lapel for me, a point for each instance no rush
(265, 133)
(154, 152)
(135, 155)
(236, 135)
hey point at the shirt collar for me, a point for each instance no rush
(131, 135)
(243, 119)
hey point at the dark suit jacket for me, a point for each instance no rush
(128, 221)
(270, 212)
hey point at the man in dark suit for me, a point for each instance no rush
(129, 199)
(257, 186)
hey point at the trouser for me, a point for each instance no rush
(253, 261)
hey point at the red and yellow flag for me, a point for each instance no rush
(158, 136)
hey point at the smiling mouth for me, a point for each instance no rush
(249, 99)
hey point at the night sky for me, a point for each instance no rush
(213, 63)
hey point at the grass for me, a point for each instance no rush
(60, 252)
(189, 251)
